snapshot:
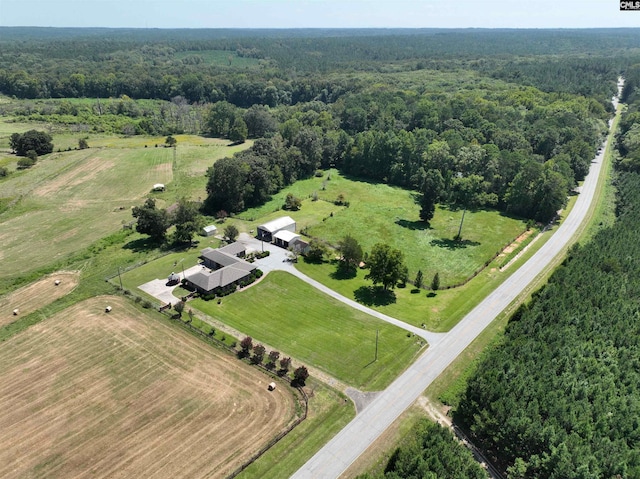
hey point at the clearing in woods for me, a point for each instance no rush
(36, 295)
(93, 394)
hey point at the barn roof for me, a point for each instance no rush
(286, 236)
(277, 224)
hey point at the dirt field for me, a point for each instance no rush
(36, 295)
(91, 394)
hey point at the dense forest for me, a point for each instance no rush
(290, 65)
(471, 119)
(560, 397)
(431, 452)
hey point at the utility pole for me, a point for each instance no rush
(120, 278)
(377, 331)
(459, 237)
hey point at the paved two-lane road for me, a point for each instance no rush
(339, 453)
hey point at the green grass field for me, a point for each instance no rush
(298, 320)
(383, 213)
(70, 199)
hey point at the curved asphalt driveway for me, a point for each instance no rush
(278, 260)
(339, 453)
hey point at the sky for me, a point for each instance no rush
(317, 13)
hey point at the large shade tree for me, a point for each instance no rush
(38, 141)
(350, 253)
(386, 266)
(151, 220)
(187, 220)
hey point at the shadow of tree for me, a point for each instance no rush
(374, 296)
(343, 273)
(141, 244)
(312, 260)
(413, 225)
(453, 244)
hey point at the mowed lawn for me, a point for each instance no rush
(382, 213)
(300, 321)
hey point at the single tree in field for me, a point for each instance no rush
(258, 354)
(38, 141)
(82, 144)
(285, 364)
(246, 345)
(292, 203)
(386, 266)
(273, 359)
(170, 141)
(432, 186)
(231, 233)
(435, 282)
(300, 375)
(404, 276)
(187, 220)
(179, 308)
(350, 253)
(419, 279)
(151, 221)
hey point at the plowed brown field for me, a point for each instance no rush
(94, 394)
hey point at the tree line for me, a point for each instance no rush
(519, 149)
(430, 452)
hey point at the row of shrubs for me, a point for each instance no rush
(300, 374)
(257, 255)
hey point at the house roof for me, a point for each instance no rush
(209, 280)
(220, 257)
(234, 248)
(286, 236)
(277, 224)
